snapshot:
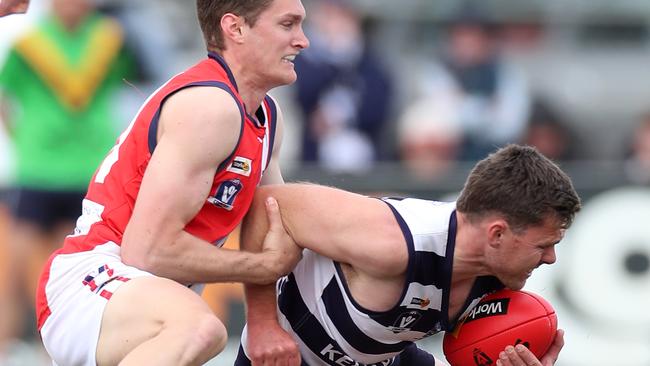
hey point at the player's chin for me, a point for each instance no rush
(285, 78)
(518, 285)
(289, 77)
(514, 283)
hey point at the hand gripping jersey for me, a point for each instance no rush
(111, 195)
(331, 328)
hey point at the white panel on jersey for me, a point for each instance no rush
(373, 329)
(267, 139)
(312, 274)
(420, 297)
(359, 319)
(428, 222)
(91, 212)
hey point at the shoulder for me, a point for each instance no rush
(204, 110)
(422, 217)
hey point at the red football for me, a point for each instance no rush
(503, 318)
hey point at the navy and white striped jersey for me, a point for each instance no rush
(331, 328)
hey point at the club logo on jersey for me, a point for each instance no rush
(226, 194)
(489, 308)
(241, 165)
(405, 322)
(422, 303)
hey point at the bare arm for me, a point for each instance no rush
(268, 342)
(199, 128)
(344, 226)
(347, 227)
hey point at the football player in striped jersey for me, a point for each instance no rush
(379, 274)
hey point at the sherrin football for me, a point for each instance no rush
(502, 318)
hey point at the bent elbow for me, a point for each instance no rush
(138, 256)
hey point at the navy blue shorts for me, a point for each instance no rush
(45, 208)
(410, 356)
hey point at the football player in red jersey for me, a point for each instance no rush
(179, 180)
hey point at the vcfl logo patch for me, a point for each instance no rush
(405, 322)
(226, 194)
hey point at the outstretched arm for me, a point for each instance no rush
(347, 227)
(344, 226)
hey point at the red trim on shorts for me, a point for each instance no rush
(42, 309)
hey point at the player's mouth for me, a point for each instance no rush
(289, 59)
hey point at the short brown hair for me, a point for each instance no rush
(521, 184)
(210, 13)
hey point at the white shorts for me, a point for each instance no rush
(77, 291)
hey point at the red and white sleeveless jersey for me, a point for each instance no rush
(112, 192)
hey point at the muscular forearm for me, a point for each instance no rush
(261, 305)
(260, 299)
(188, 259)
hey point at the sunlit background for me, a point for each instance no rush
(402, 97)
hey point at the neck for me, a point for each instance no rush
(249, 89)
(469, 256)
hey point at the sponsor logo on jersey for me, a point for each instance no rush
(489, 308)
(241, 165)
(332, 353)
(405, 322)
(423, 303)
(226, 194)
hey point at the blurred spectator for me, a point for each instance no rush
(343, 91)
(146, 25)
(57, 82)
(492, 94)
(637, 164)
(549, 133)
(429, 137)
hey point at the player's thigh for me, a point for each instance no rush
(141, 309)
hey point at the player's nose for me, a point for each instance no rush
(549, 256)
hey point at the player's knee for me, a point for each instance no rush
(210, 334)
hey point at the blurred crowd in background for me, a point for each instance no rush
(392, 96)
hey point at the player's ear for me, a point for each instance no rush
(231, 27)
(496, 230)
